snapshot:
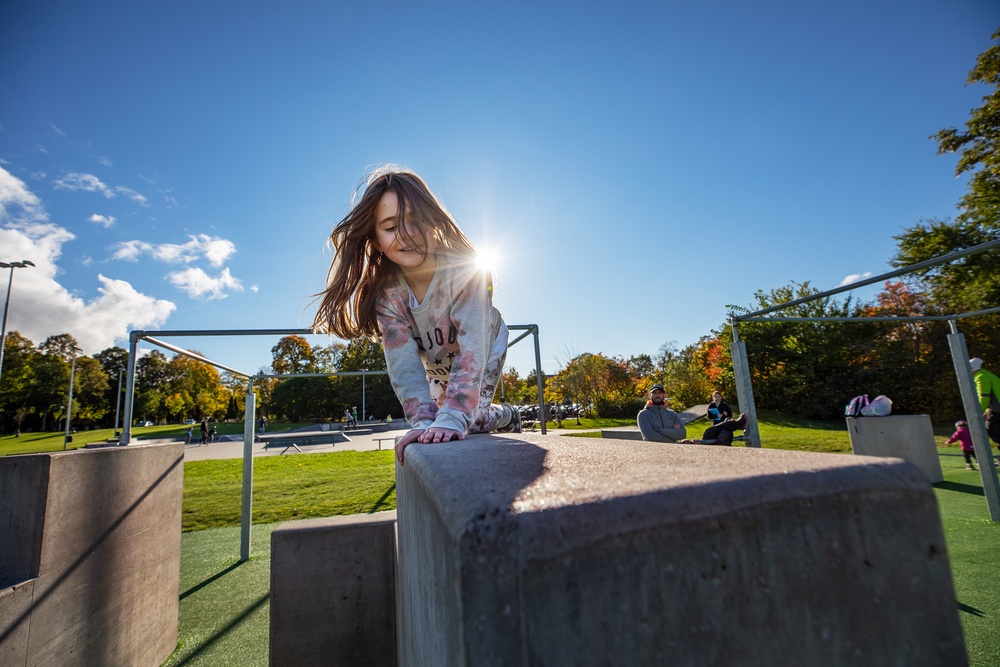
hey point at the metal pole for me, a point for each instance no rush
(6, 304)
(69, 401)
(118, 400)
(364, 414)
(538, 377)
(744, 386)
(249, 419)
(977, 426)
(3, 334)
(133, 345)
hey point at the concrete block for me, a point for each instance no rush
(908, 437)
(533, 550)
(108, 569)
(23, 487)
(333, 591)
(15, 603)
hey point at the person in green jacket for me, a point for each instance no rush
(988, 389)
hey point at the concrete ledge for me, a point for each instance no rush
(105, 565)
(908, 437)
(333, 587)
(552, 551)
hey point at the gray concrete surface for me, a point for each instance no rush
(908, 437)
(333, 587)
(517, 550)
(106, 563)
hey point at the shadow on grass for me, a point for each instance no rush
(970, 610)
(381, 501)
(224, 630)
(198, 587)
(961, 488)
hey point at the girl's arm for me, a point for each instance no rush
(402, 360)
(471, 315)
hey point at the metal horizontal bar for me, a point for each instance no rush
(188, 353)
(868, 281)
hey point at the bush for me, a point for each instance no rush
(605, 407)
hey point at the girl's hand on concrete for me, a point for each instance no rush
(438, 434)
(403, 441)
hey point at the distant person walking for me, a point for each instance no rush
(351, 421)
(204, 431)
(261, 424)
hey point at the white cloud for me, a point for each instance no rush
(216, 250)
(855, 277)
(103, 220)
(104, 161)
(197, 284)
(41, 307)
(58, 131)
(75, 181)
(254, 289)
(16, 200)
(133, 195)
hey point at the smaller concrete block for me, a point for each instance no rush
(333, 588)
(622, 433)
(907, 437)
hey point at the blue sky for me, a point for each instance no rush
(634, 166)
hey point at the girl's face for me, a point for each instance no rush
(403, 251)
(717, 397)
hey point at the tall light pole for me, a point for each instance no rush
(118, 399)
(3, 331)
(69, 400)
(364, 415)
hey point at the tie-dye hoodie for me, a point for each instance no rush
(449, 337)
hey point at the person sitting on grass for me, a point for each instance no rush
(964, 435)
(721, 433)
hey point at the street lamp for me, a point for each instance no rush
(69, 399)
(3, 331)
(364, 415)
(118, 399)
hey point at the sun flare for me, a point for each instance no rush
(486, 260)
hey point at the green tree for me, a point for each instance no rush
(151, 387)
(16, 380)
(973, 282)
(90, 384)
(292, 354)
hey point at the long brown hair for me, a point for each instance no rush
(360, 273)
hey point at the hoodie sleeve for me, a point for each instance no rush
(402, 359)
(470, 313)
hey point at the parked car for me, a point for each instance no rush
(190, 421)
(146, 423)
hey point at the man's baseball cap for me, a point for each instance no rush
(656, 387)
